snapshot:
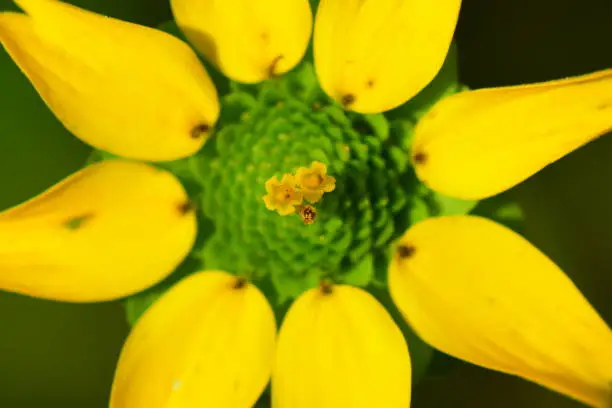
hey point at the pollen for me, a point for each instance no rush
(314, 181)
(283, 196)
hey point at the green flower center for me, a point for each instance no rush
(273, 129)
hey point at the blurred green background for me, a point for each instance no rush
(62, 355)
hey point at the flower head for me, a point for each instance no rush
(468, 286)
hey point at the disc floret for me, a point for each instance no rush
(283, 196)
(314, 181)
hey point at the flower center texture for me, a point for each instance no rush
(273, 129)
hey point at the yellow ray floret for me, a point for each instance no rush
(207, 342)
(110, 230)
(338, 347)
(480, 292)
(283, 195)
(314, 181)
(248, 40)
(374, 55)
(131, 90)
(476, 144)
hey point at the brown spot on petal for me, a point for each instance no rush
(272, 68)
(604, 106)
(347, 100)
(240, 283)
(405, 251)
(326, 288)
(186, 207)
(77, 222)
(419, 158)
(370, 83)
(199, 130)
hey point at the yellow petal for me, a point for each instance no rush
(340, 349)
(312, 196)
(476, 144)
(374, 55)
(208, 342)
(110, 230)
(131, 90)
(249, 41)
(480, 292)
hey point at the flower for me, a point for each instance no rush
(282, 196)
(468, 286)
(314, 181)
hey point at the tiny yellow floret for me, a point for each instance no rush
(314, 181)
(282, 195)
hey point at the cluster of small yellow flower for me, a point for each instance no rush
(287, 195)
